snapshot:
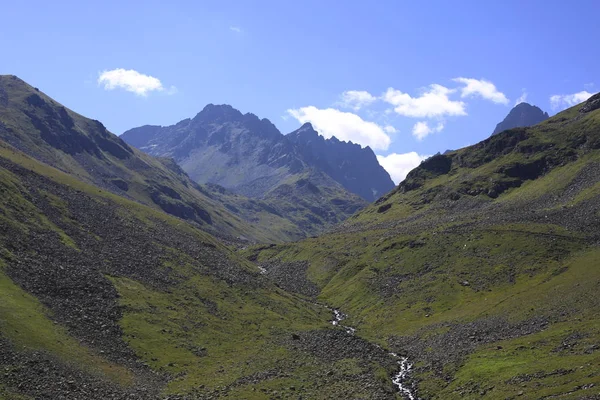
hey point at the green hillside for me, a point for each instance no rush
(46, 130)
(482, 267)
(103, 297)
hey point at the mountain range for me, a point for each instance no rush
(304, 203)
(251, 157)
(122, 277)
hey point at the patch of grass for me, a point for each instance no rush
(548, 363)
(6, 394)
(208, 333)
(17, 211)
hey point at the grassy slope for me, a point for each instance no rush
(202, 331)
(465, 261)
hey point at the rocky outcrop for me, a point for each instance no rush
(593, 103)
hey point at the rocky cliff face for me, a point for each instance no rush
(356, 168)
(223, 146)
(522, 115)
(249, 155)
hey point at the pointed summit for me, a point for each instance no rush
(305, 132)
(523, 114)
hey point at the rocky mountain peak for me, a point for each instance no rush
(218, 113)
(221, 139)
(522, 115)
(304, 133)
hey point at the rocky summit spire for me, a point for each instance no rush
(523, 114)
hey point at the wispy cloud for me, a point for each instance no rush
(562, 101)
(522, 98)
(235, 29)
(422, 129)
(356, 99)
(482, 88)
(132, 81)
(390, 129)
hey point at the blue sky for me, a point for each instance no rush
(407, 78)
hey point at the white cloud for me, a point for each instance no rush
(562, 101)
(343, 125)
(432, 103)
(421, 129)
(132, 81)
(482, 88)
(235, 29)
(356, 99)
(399, 165)
(390, 129)
(522, 98)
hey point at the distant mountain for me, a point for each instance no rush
(223, 146)
(522, 115)
(356, 168)
(250, 156)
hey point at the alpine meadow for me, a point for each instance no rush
(299, 201)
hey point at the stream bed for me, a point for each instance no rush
(400, 378)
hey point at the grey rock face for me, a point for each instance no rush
(356, 168)
(521, 115)
(249, 155)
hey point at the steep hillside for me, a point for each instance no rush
(39, 126)
(522, 115)
(250, 156)
(482, 267)
(102, 297)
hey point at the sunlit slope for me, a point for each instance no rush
(483, 266)
(102, 297)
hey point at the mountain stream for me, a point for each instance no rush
(400, 378)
